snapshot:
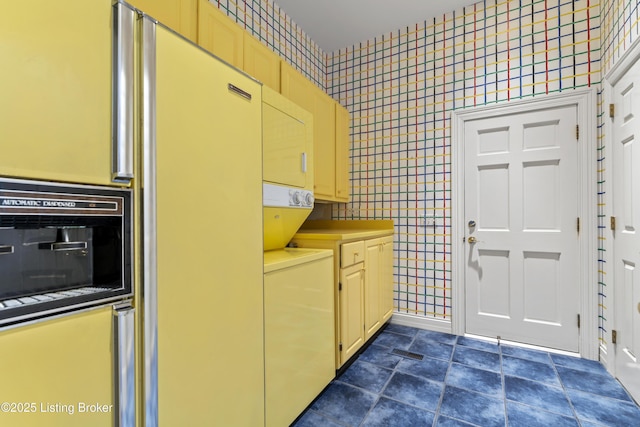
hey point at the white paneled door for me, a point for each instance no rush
(521, 218)
(626, 234)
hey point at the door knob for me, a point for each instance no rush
(471, 239)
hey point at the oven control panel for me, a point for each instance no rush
(286, 197)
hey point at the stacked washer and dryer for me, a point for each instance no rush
(298, 283)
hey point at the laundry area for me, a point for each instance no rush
(339, 213)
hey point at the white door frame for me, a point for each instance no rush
(586, 102)
(612, 77)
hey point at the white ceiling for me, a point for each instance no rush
(335, 24)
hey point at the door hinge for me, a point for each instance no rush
(578, 321)
(340, 346)
(339, 286)
(614, 337)
(612, 110)
(578, 224)
(578, 132)
(613, 223)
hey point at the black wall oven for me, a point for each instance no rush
(62, 247)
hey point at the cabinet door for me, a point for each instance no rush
(342, 153)
(325, 146)
(261, 63)
(218, 34)
(60, 366)
(179, 15)
(304, 93)
(209, 265)
(372, 291)
(386, 278)
(55, 86)
(351, 310)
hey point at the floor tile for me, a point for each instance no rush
(414, 390)
(475, 379)
(588, 424)
(478, 344)
(520, 415)
(603, 410)
(344, 403)
(380, 356)
(437, 336)
(525, 353)
(465, 382)
(579, 364)
(314, 419)
(523, 368)
(451, 422)
(389, 413)
(434, 349)
(366, 375)
(537, 394)
(604, 385)
(389, 339)
(432, 369)
(473, 407)
(402, 330)
(477, 358)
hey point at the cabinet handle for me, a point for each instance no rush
(238, 91)
(6, 249)
(123, 63)
(304, 162)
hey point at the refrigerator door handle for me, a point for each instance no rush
(123, 76)
(124, 361)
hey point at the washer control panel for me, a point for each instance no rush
(287, 197)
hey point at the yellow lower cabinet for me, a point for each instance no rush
(299, 338)
(378, 292)
(372, 289)
(351, 310)
(386, 278)
(59, 372)
(363, 274)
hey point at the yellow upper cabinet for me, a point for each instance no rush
(342, 154)
(261, 63)
(55, 86)
(304, 93)
(219, 34)
(179, 15)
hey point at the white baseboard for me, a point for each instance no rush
(421, 322)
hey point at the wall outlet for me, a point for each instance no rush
(428, 221)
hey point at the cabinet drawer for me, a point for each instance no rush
(351, 253)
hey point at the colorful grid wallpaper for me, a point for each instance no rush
(401, 88)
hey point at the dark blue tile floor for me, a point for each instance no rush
(466, 382)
